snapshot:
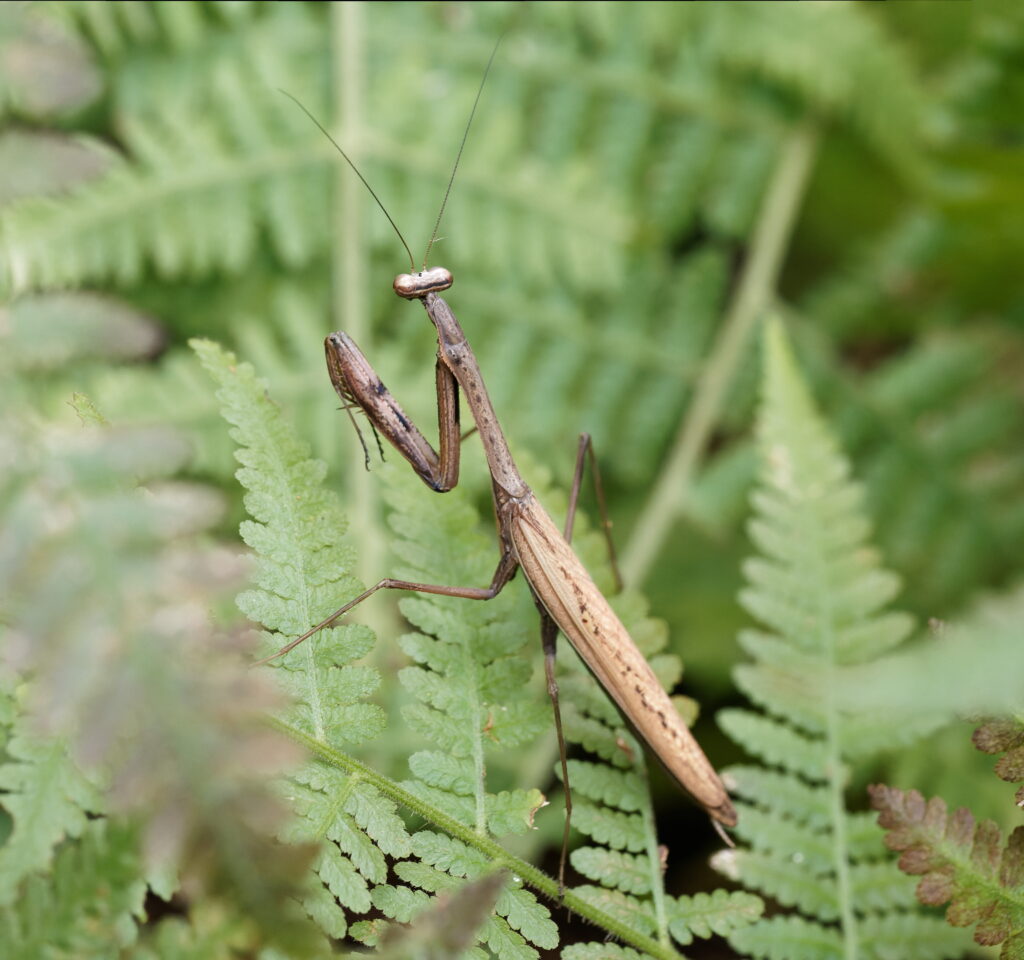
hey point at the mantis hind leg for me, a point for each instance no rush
(549, 629)
(504, 572)
(549, 641)
(585, 451)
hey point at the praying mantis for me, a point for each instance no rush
(567, 598)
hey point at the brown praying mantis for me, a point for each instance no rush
(566, 596)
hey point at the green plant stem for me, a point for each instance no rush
(753, 294)
(471, 666)
(486, 845)
(348, 253)
(349, 273)
(651, 843)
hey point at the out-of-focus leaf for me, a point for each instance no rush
(49, 331)
(45, 68)
(37, 162)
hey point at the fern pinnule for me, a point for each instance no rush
(1004, 735)
(820, 592)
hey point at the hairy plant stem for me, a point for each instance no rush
(752, 296)
(486, 845)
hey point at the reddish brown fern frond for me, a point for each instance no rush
(960, 862)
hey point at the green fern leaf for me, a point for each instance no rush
(788, 938)
(705, 914)
(910, 936)
(599, 951)
(49, 800)
(512, 811)
(89, 906)
(620, 789)
(807, 804)
(819, 590)
(505, 942)
(840, 61)
(879, 887)
(321, 906)
(400, 903)
(771, 832)
(611, 868)
(299, 572)
(631, 911)
(448, 854)
(614, 829)
(783, 880)
(775, 743)
(302, 569)
(524, 913)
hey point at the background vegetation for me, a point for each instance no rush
(643, 186)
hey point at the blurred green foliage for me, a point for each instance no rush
(613, 201)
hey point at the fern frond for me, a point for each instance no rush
(936, 433)
(819, 590)
(837, 59)
(303, 562)
(90, 904)
(909, 935)
(303, 567)
(960, 862)
(49, 800)
(106, 622)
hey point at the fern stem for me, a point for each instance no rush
(753, 293)
(486, 845)
(471, 665)
(836, 771)
(651, 844)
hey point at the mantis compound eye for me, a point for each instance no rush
(413, 286)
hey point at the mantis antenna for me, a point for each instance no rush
(458, 156)
(451, 179)
(348, 160)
